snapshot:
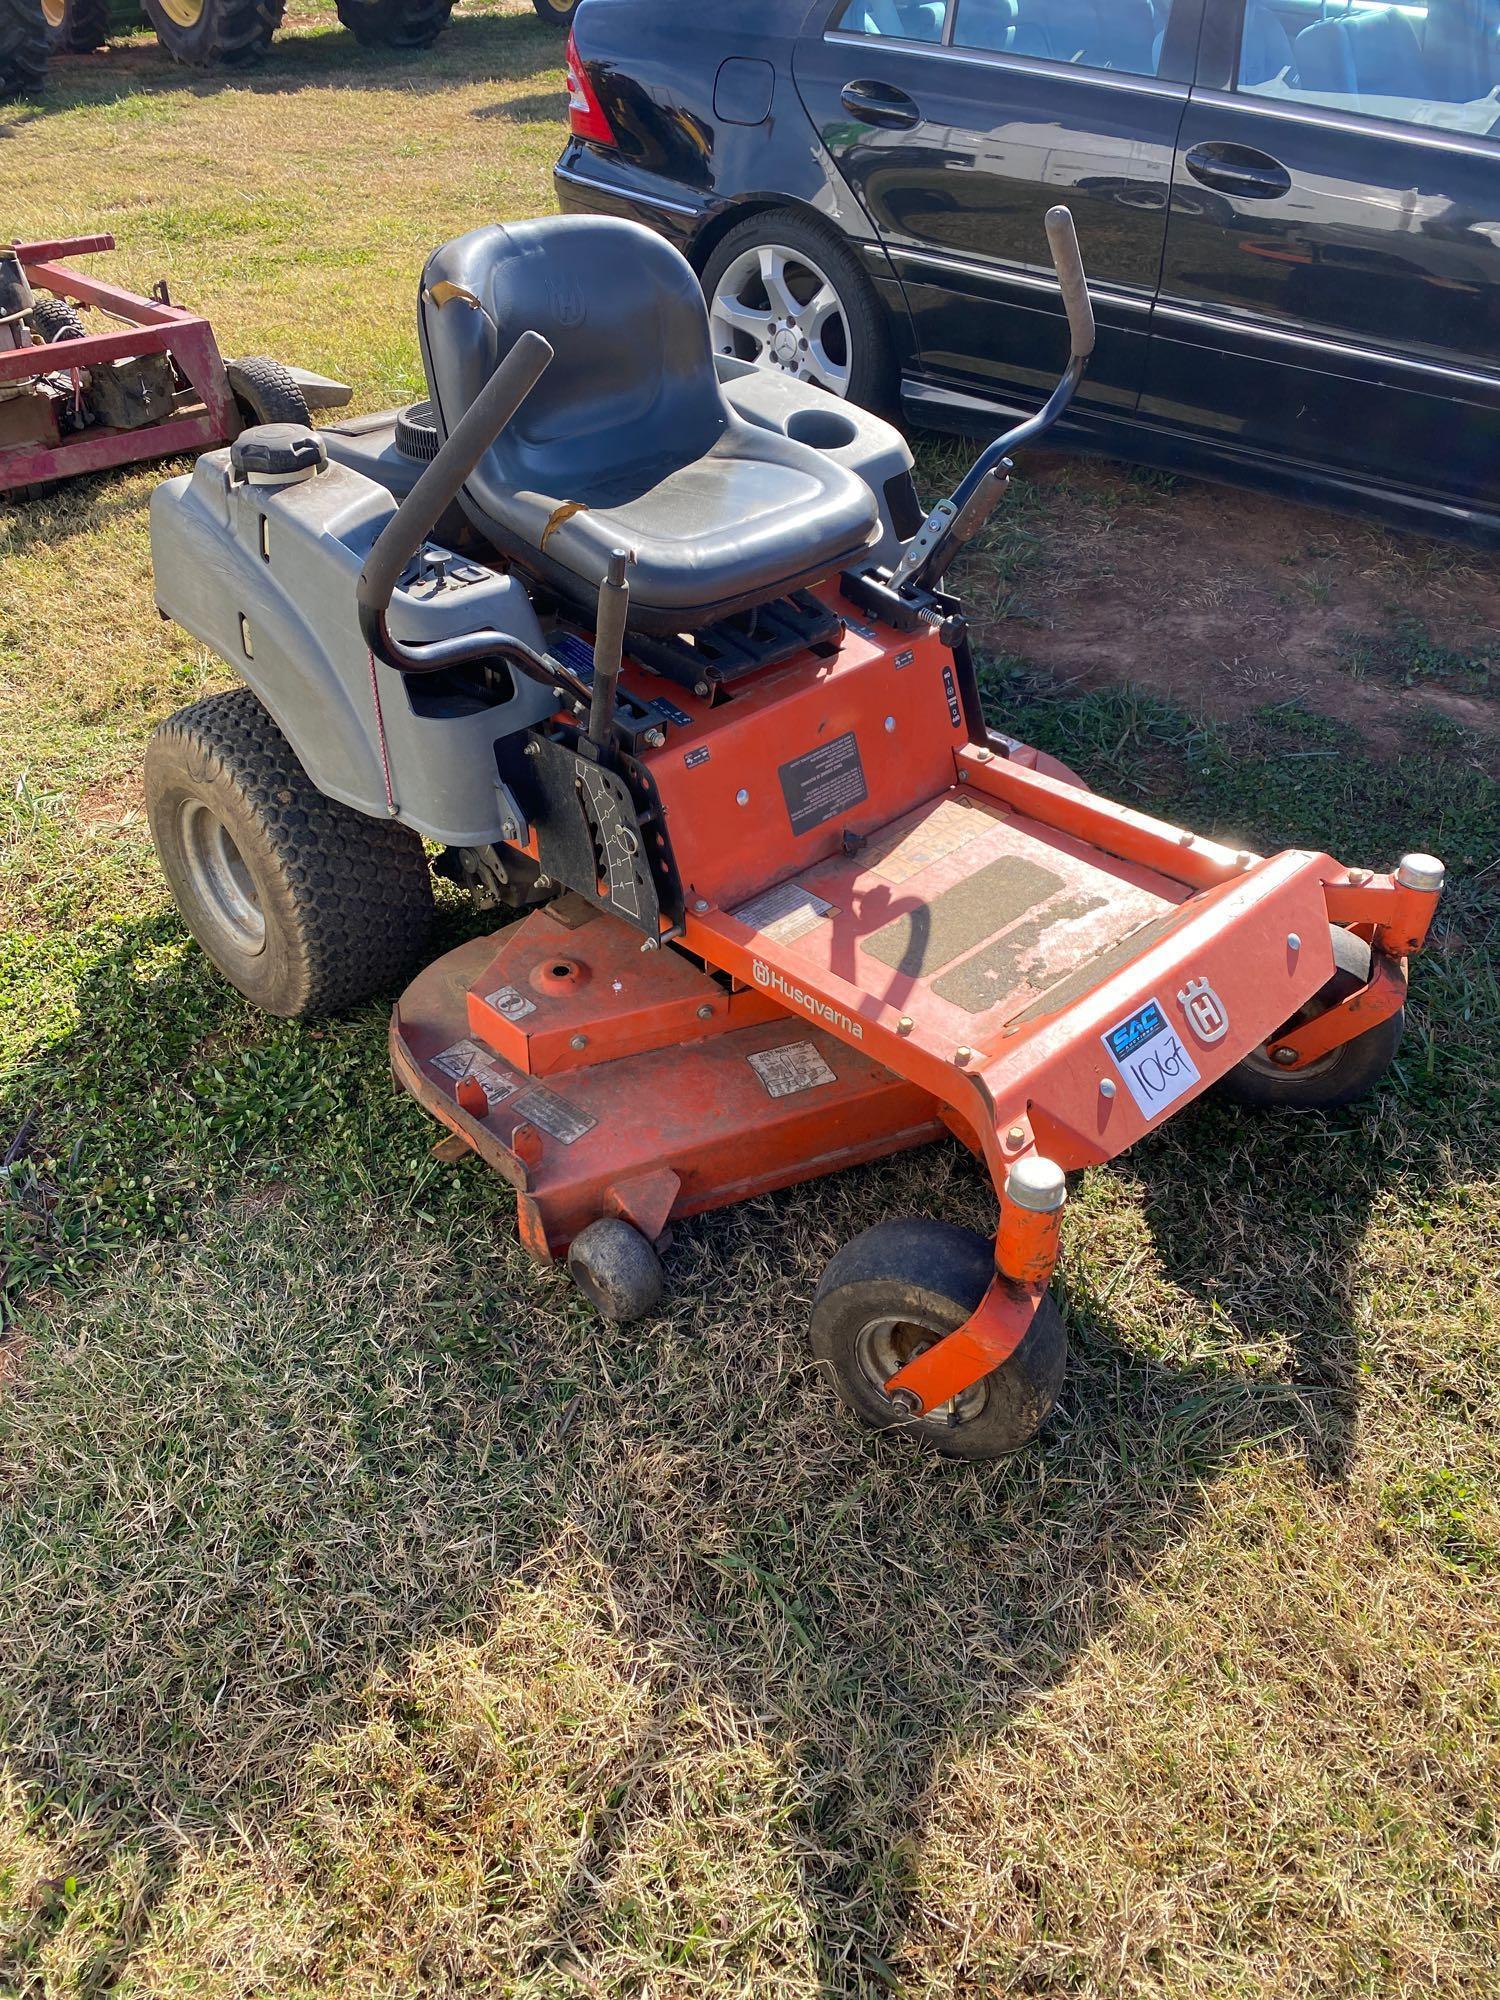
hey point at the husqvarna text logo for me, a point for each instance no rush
(777, 983)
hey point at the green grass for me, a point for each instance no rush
(376, 1622)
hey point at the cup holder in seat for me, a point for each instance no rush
(824, 430)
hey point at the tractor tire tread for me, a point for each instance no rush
(23, 47)
(395, 24)
(228, 35)
(85, 27)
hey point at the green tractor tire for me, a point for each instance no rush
(76, 27)
(23, 47)
(395, 24)
(210, 34)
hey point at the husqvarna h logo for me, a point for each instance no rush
(775, 982)
(1207, 1015)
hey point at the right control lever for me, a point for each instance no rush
(958, 519)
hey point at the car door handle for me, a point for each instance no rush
(1238, 170)
(880, 104)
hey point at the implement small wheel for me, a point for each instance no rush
(896, 1291)
(55, 319)
(616, 1269)
(303, 904)
(23, 47)
(1346, 1072)
(265, 392)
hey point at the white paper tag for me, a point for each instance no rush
(787, 1070)
(1149, 1054)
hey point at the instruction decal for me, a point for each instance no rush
(1149, 1054)
(468, 1062)
(950, 688)
(545, 1109)
(696, 757)
(786, 1071)
(509, 1003)
(825, 784)
(785, 913)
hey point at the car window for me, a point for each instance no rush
(1436, 63)
(1098, 34)
(899, 20)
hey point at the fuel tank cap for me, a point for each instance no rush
(278, 454)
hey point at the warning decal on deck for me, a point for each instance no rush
(944, 830)
(825, 784)
(1148, 1053)
(785, 913)
(796, 1067)
(510, 1004)
(542, 1107)
(467, 1061)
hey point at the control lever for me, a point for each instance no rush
(958, 519)
(609, 646)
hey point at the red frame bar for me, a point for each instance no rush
(150, 328)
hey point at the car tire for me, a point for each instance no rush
(558, 12)
(764, 282)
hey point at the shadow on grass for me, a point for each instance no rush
(329, 1416)
(498, 48)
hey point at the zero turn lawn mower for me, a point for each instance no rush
(149, 384)
(657, 650)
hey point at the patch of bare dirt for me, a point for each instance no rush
(112, 804)
(1230, 602)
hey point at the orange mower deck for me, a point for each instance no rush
(892, 933)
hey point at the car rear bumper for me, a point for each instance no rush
(587, 184)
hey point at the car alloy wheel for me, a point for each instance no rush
(776, 307)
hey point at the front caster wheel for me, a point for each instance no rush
(1344, 1073)
(616, 1269)
(897, 1290)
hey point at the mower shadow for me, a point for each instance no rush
(500, 49)
(867, 1617)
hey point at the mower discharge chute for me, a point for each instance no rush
(659, 651)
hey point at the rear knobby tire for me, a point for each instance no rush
(303, 904)
(215, 34)
(265, 392)
(23, 48)
(76, 27)
(898, 1289)
(395, 24)
(1341, 1076)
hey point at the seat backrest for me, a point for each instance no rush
(1459, 47)
(1105, 34)
(1361, 55)
(1266, 47)
(632, 393)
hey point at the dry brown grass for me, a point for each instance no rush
(374, 1622)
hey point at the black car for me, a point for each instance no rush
(1290, 211)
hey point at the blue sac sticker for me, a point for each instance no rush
(1149, 1054)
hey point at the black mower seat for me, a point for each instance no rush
(627, 441)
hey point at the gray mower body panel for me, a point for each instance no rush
(265, 576)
